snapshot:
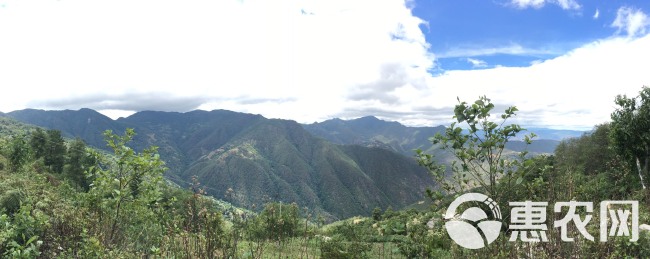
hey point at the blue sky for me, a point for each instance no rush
(561, 62)
(502, 33)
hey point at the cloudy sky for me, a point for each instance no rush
(561, 62)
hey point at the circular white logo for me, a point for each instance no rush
(473, 229)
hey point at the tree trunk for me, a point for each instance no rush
(641, 170)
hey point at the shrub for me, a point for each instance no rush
(11, 200)
(338, 248)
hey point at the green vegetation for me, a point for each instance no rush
(480, 161)
(373, 132)
(631, 132)
(595, 167)
(257, 159)
(122, 208)
(63, 199)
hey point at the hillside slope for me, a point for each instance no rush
(249, 160)
(373, 132)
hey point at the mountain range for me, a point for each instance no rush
(248, 160)
(371, 131)
(336, 168)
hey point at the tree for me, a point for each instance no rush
(278, 222)
(376, 214)
(77, 163)
(18, 153)
(114, 186)
(37, 142)
(479, 154)
(55, 151)
(630, 131)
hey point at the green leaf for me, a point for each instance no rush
(31, 240)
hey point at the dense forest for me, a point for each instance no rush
(62, 198)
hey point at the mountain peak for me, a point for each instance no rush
(369, 118)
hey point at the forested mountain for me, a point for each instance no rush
(249, 160)
(85, 123)
(371, 131)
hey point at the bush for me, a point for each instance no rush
(20, 235)
(11, 200)
(338, 248)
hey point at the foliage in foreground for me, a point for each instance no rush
(598, 166)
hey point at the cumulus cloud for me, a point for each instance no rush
(391, 77)
(564, 4)
(303, 60)
(632, 21)
(575, 90)
(282, 56)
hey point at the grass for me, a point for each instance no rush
(295, 248)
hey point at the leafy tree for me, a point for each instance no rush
(18, 153)
(590, 153)
(55, 151)
(630, 130)
(78, 162)
(277, 222)
(376, 214)
(37, 142)
(388, 213)
(480, 159)
(115, 185)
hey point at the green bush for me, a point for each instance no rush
(339, 248)
(11, 201)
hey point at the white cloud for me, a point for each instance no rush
(596, 14)
(304, 58)
(564, 4)
(575, 90)
(528, 3)
(477, 63)
(633, 21)
(512, 49)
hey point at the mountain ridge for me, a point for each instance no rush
(339, 168)
(372, 131)
(249, 160)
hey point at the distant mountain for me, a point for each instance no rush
(371, 131)
(553, 134)
(258, 159)
(85, 123)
